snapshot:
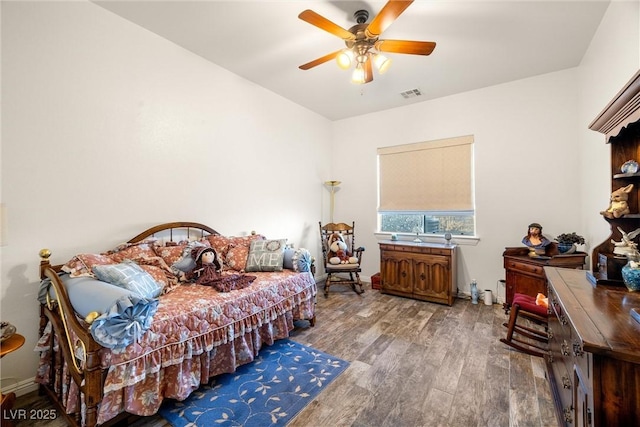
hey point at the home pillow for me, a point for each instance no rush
(130, 276)
(266, 255)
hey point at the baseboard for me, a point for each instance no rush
(22, 387)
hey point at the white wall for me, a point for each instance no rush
(108, 129)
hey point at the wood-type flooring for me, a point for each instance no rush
(413, 363)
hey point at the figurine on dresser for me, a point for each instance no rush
(619, 205)
(535, 240)
(626, 245)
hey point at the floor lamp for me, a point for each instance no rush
(332, 188)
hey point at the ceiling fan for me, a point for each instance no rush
(363, 44)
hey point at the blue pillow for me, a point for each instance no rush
(125, 322)
(124, 318)
(186, 263)
(297, 260)
(130, 276)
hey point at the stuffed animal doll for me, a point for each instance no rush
(338, 251)
(619, 205)
(208, 272)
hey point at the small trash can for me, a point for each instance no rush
(375, 281)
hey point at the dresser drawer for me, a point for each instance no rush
(561, 370)
(536, 270)
(416, 249)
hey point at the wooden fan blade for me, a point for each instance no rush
(319, 61)
(368, 71)
(387, 15)
(405, 46)
(324, 24)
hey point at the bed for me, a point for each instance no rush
(194, 333)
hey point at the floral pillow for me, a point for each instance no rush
(220, 244)
(171, 254)
(133, 251)
(236, 258)
(81, 265)
(234, 250)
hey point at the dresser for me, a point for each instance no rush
(525, 275)
(424, 271)
(594, 359)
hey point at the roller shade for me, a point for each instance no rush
(427, 176)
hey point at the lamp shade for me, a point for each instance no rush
(381, 62)
(344, 59)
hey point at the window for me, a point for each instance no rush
(427, 187)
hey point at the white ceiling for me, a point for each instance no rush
(479, 44)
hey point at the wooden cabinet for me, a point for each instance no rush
(424, 271)
(620, 123)
(594, 351)
(525, 275)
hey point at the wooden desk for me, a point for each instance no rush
(593, 363)
(9, 346)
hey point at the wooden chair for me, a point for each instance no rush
(524, 306)
(343, 274)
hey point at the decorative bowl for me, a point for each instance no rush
(630, 166)
(6, 330)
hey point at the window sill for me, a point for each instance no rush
(428, 238)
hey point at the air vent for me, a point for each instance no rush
(411, 93)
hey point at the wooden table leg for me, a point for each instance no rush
(7, 404)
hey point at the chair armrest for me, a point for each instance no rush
(358, 253)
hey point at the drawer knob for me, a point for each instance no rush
(568, 416)
(403, 274)
(577, 349)
(566, 382)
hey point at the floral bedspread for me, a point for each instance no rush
(197, 333)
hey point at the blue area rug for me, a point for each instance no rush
(269, 391)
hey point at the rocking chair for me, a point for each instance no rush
(347, 273)
(524, 306)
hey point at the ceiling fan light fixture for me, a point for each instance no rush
(358, 76)
(381, 62)
(363, 41)
(344, 59)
